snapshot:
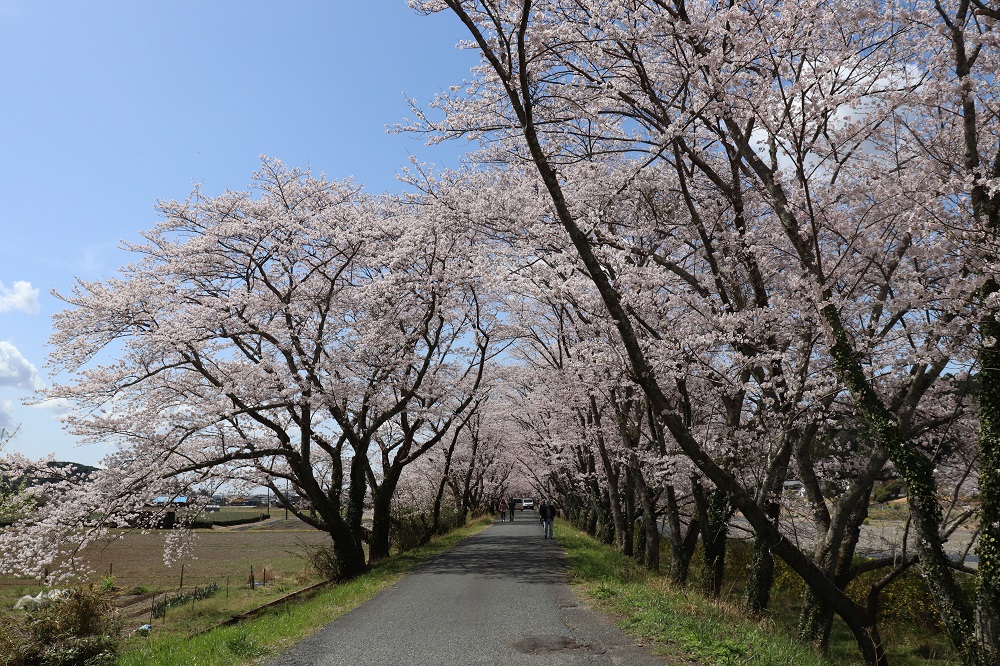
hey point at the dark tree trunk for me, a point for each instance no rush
(605, 521)
(612, 477)
(591, 524)
(436, 518)
(713, 514)
(650, 547)
(350, 549)
(682, 545)
(627, 537)
(467, 484)
(380, 541)
(761, 576)
(835, 555)
(987, 611)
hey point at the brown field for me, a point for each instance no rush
(135, 561)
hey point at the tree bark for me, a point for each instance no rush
(651, 533)
(682, 546)
(987, 610)
(760, 579)
(713, 513)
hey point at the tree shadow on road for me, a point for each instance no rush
(517, 554)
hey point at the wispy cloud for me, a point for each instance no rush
(58, 406)
(22, 296)
(15, 370)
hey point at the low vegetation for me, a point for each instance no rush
(682, 623)
(81, 629)
(282, 626)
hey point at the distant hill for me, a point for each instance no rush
(8, 484)
(80, 471)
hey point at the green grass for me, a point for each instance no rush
(273, 631)
(682, 622)
(677, 622)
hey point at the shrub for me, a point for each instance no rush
(409, 530)
(78, 630)
(888, 491)
(322, 559)
(906, 602)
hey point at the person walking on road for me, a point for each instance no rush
(547, 514)
(503, 509)
(510, 507)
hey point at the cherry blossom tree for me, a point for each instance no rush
(791, 115)
(301, 333)
(961, 157)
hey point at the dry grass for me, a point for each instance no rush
(135, 561)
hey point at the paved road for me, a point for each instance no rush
(499, 598)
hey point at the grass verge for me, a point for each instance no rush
(268, 635)
(676, 622)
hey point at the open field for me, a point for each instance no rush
(224, 557)
(136, 559)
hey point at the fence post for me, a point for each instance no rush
(181, 587)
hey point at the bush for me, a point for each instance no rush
(906, 602)
(322, 559)
(78, 630)
(888, 491)
(410, 528)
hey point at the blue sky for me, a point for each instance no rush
(106, 107)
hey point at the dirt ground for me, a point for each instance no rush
(135, 560)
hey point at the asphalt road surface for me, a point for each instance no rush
(498, 598)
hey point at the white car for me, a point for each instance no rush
(528, 503)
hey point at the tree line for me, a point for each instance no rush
(702, 250)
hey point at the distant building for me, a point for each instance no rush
(163, 500)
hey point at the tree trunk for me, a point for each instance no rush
(467, 484)
(650, 548)
(713, 513)
(627, 537)
(351, 555)
(761, 576)
(379, 543)
(987, 611)
(681, 546)
(611, 476)
(605, 522)
(436, 518)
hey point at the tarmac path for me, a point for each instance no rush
(497, 598)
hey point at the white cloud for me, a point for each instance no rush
(6, 415)
(15, 370)
(22, 296)
(58, 406)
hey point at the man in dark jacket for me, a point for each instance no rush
(546, 513)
